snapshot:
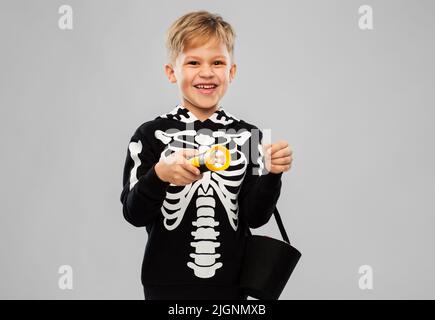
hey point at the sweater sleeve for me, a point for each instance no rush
(260, 189)
(143, 191)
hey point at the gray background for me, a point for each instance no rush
(356, 106)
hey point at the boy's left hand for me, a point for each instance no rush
(278, 156)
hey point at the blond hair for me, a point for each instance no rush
(196, 28)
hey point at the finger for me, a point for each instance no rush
(278, 146)
(282, 161)
(280, 168)
(286, 152)
(189, 153)
(186, 174)
(191, 168)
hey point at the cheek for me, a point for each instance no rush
(223, 88)
(185, 83)
(224, 80)
(187, 80)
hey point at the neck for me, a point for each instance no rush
(201, 114)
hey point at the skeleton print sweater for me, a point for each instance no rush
(196, 232)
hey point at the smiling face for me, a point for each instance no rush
(202, 73)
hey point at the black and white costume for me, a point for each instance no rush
(196, 232)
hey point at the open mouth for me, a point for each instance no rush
(206, 88)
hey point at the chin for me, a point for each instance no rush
(206, 105)
(209, 106)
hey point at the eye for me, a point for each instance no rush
(192, 62)
(219, 62)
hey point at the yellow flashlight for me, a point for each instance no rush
(216, 158)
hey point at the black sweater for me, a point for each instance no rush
(196, 232)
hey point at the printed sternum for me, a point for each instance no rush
(205, 236)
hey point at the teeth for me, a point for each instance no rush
(205, 86)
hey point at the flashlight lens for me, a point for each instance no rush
(218, 158)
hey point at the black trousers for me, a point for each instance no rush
(193, 292)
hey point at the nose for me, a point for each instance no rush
(206, 71)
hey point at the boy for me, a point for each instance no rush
(196, 220)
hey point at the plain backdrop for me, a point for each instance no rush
(356, 106)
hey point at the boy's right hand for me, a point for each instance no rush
(177, 169)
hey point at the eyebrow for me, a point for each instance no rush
(199, 58)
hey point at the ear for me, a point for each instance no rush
(170, 73)
(233, 71)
